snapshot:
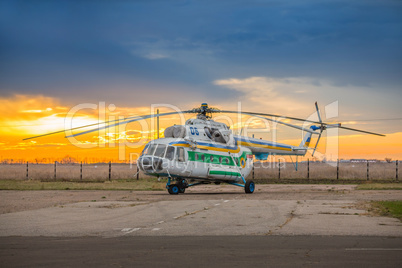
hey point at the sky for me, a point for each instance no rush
(272, 56)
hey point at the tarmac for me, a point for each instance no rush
(330, 220)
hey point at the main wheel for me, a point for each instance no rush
(249, 187)
(173, 189)
(182, 186)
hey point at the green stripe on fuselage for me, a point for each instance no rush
(224, 173)
(215, 160)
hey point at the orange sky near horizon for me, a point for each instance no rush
(25, 116)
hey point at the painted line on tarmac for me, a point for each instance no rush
(129, 230)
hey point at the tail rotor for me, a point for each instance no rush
(322, 128)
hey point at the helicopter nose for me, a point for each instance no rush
(158, 164)
(150, 164)
(145, 163)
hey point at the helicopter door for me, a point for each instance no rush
(199, 167)
(181, 161)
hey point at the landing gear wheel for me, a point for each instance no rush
(173, 189)
(182, 186)
(249, 187)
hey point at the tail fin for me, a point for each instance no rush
(307, 138)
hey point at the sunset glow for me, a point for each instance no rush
(70, 64)
(35, 115)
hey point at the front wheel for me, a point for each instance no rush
(173, 189)
(249, 187)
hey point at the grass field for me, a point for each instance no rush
(380, 186)
(389, 208)
(131, 185)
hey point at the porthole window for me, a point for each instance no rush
(220, 160)
(197, 157)
(227, 160)
(203, 157)
(211, 158)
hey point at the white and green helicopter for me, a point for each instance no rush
(204, 151)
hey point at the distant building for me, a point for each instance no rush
(364, 160)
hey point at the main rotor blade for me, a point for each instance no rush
(289, 125)
(126, 122)
(298, 119)
(60, 131)
(263, 114)
(135, 118)
(362, 131)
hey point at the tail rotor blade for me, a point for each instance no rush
(318, 140)
(318, 112)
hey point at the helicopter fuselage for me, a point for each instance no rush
(202, 161)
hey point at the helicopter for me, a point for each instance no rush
(204, 151)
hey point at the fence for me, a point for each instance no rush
(70, 172)
(262, 171)
(308, 170)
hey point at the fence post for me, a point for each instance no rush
(279, 166)
(368, 170)
(157, 121)
(55, 170)
(81, 171)
(337, 170)
(27, 171)
(138, 171)
(396, 175)
(308, 168)
(110, 170)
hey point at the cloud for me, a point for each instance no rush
(264, 93)
(155, 56)
(20, 106)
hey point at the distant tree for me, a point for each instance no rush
(389, 160)
(68, 160)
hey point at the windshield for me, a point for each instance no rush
(170, 153)
(150, 150)
(160, 150)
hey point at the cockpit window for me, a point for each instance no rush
(160, 150)
(170, 153)
(180, 154)
(145, 150)
(150, 150)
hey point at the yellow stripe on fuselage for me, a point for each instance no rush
(234, 151)
(181, 145)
